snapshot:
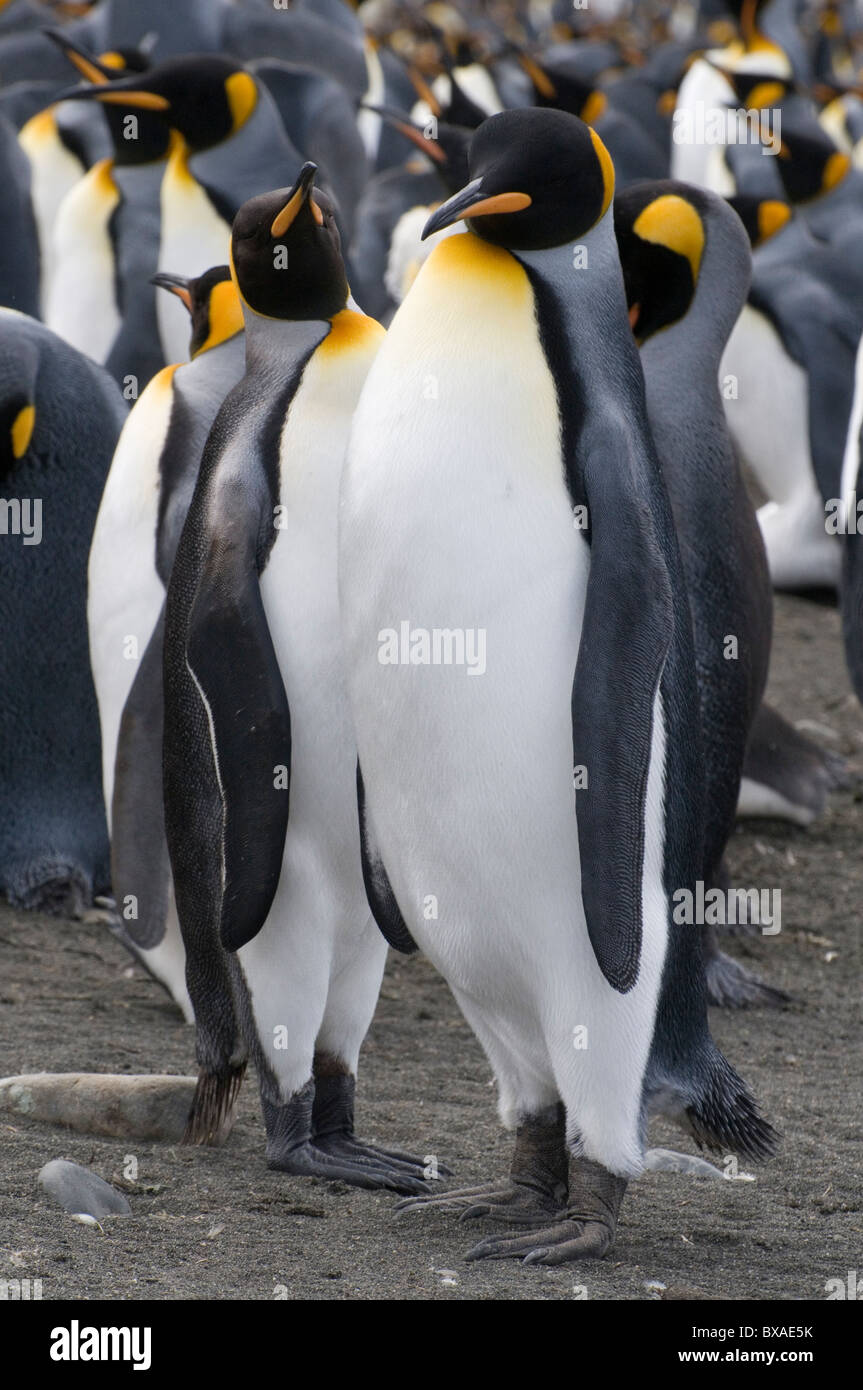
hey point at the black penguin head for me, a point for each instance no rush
(137, 142)
(207, 98)
(566, 91)
(661, 237)
(762, 217)
(459, 109)
(285, 253)
(538, 178)
(756, 91)
(213, 305)
(447, 147)
(810, 165)
(748, 14)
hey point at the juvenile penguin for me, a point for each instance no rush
(61, 415)
(137, 531)
(507, 560)
(686, 267)
(269, 890)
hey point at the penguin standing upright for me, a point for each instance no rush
(58, 159)
(686, 267)
(269, 890)
(137, 531)
(228, 144)
(790, 360)
(447, 151)
(61, 415)
(389, 199)
(633, 149)
(522, 678)
(105, 244)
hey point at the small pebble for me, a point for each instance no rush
(81, 1192)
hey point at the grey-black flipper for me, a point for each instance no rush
(625, 639)
(139, 852)
(382, 899)
(232, 660)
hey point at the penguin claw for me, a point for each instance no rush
(731, 986)
(345, 1146)
(556, 1245)
(514, 1203)
(309, 1161)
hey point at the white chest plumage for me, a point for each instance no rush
(193, 238)
(82, 303)
(456, 519)
(125, 593)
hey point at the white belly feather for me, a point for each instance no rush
(125, 594)
(456, 516)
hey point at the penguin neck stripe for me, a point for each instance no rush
(226, 316)
(672, 222)
(608, 176)
(349, 330)
(242, 93)
(22, 430)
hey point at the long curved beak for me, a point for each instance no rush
(177, 284)
(471, 202)
(89, 67)
(125, 91)
(405, 126)
(300, 192)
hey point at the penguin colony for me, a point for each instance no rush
(399, 409)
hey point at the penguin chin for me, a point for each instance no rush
(315, 287)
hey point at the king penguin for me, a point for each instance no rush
(137, 531)
(687, 266)
(105, 244)
(228, 144)
(259, 755)
(61, 415)
(789, 365)
(61, 144)
(522, 678)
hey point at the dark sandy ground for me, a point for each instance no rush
(215, 1224)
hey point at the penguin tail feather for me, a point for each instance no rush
(211, 1116)
(726, 1117)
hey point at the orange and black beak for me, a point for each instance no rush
(177, 284)
(300, 193)
(129, 92)
(472, 201)
(397, 120)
